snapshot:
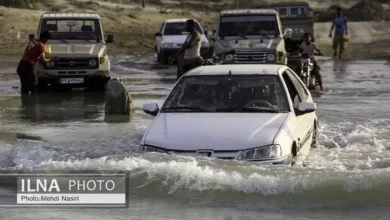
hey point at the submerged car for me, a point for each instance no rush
(252, 112)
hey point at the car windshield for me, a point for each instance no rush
(248, 25)
(179, 28)
(63, 29)
(242, 93)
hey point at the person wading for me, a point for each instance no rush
(34, 51)
(341, 28)
(191, 49)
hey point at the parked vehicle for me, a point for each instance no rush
(244, 112)
(255, 34)
(77, 50)
(171, 37)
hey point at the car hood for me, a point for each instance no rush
(216, 131)
(75, 48)
(266, 45)
(180, 39)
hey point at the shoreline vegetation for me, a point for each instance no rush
(134, 26)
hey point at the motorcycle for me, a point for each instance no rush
(306, 70)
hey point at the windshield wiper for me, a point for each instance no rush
(248, 109)
(184, 107)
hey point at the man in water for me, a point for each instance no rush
(26, 69)
(191, 49)
(340, 26)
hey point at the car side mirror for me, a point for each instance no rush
(158, 35)
(110, 38)
(288, 33)
(151, 109)
(307, 107)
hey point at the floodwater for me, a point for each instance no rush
(347, 177)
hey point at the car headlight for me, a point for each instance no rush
(205, 44)
(50, 64)
(229, 57)
(271, 57)
(92, 63)
(147, 148)
(261, 153)
(170, 45)
(102, 60)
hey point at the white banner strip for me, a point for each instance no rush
(48, 198)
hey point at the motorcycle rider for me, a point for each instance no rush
(309, 47)
(191, 49)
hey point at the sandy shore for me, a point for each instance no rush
(134, 28)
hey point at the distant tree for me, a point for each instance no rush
(143, 3)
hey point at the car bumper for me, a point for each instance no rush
(170, 52)
(231, 155)
(87, 80)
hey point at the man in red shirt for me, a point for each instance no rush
(34, 51)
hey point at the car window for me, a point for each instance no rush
(294, 95)
(162, 27)
(302, 91)
(243, 93)
(282, 11)
(294, 11)
(179, 28)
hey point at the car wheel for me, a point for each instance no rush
(163, 60)
(314, 138)
(294, 154)
(101, 87)
(42, 88)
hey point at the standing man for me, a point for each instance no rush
(340, 25)
(191, 49)
(34, 51)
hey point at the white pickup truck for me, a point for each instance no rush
(77, 49)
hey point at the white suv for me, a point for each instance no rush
(172, 36)
(78, 51)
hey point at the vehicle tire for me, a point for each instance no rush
(101, 87)
(158, 56)
(162, 59)
(42, 88)
(293, 155)
(315, 135)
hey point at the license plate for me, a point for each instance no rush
(72, 81)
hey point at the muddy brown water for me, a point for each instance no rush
(347, 177)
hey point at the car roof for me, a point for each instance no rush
(236, 69)
(248, 11)
(288, 4)
(70, 15)
(178, 20)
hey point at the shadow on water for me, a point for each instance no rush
(60, 107)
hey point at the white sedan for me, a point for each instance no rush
(255, 112)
